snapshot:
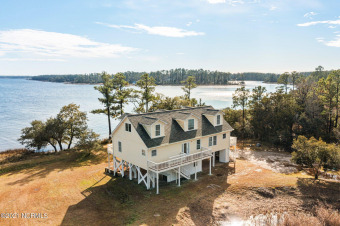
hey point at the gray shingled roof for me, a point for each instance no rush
(148, 120)
(173, 131)
(211, 112)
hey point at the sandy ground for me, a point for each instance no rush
(81, 194)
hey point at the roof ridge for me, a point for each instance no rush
(160, 112)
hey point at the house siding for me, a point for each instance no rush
(164, 152)
(132, 145)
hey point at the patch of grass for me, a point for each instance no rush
(132, 218)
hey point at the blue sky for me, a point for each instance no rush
(58, 37)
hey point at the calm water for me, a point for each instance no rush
(22, 101)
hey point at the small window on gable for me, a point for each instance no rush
(158, 130)
(119, 146)
(128, 127)
(210, 141)
(143, 152)
(224, 135)
(198, 144)
(191, 124)
(218, 119)
(154, 152)
(215, 140)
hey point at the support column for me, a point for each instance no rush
(157, 184)
(134, 172)
(122, 171)
(108, 161)
(210, 166)
(214, 156)
(114, 165)
(179, 176)
(196, 163)
(147, 180)
(130, 171)
(153, 181)
(138, 176)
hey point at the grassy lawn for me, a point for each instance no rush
(72, 189)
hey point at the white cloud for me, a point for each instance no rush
(333, 22)
(56, 45)
(272, 8)
(333, 43)
(331, 26)
(310, 15)
(162, 31)
(189, 24)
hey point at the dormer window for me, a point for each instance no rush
(158, 130)
(218, 122)
(191, 124)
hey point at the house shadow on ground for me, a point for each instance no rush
(121, 201)
(40, 166)
(315, 192)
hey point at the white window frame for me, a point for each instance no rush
(154, 151)
(157, 135)
(189, 120)
(210, 141)
(224, 135)
(218, 119)
(120, 148)
(188, 148)
(198, 144)
(214, 140)
(143, 152)
(128, 127)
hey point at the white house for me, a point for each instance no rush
(168, 144)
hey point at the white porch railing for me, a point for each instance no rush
(183, 160)
(233, 141)
(110, 149)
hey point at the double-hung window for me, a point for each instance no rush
(191, 124)
(128, 127)
(215, 140)
(185, 148)
(224, 135)
(158, 130)
(119, 146)
(198, 144)
(218, 119)
(210, 141)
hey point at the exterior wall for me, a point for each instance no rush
(164, 152)
(132, 145)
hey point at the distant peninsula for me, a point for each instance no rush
(165, 77)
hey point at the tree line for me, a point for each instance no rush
(310, 108)
(168, 77)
